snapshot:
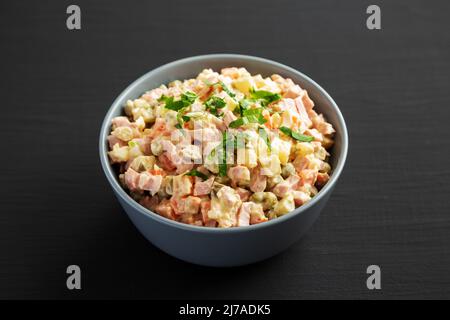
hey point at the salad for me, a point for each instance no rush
(222, 150)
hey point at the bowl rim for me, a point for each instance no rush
(110, 174)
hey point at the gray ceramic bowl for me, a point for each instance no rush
(234, 246)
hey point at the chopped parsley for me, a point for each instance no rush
(214, 103)
(264, 135)
(264, 97)
(185, 101)
(196, 173)
(223, 159)
(132, 144)
(249, 116)
(226, 89)
(296, 135)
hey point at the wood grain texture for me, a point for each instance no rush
(390, 208)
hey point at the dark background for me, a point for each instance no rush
(391, 205)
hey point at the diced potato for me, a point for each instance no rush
(123, 133)
(273, 181)
(304, 148)
(182, 185)
(141, 103)
(325, 167)
(156, 146)
(143, 163)
(276, 120)
(244, 84)
(119, 154)
(167, 185)
(272, 163)
(267, 199)
(140, 123)
(282, 148)
(247, 156)
(288, 170)
(134, 150)
(327, 142)
(259, 81)
(129, 106)
(287, 119)
(285, 205)
(231, 103)
(146, 113)
(314, 163)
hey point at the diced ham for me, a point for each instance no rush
(144, 144)
(293, 92)
(286, 186)
(185, 205)
(197, 106)
(308, 176)
(315, 134)
(150, 202)
(205, 206)
(112, 140)
(181, 164)
(165, 209)
(228, 198)
(243, 218)
(301, 163)
(121, 122)
(300, 197)
(165, 163)
(152, 96)
(228, 117)
(219, 123)
(302, 112)
(182, 185)
(159, 128)
(307, 102)
(322, 179)
(132, 179)
(231, 72)
(322, 126)
(258, 218)
(250, 213)
(244, 194)
(258, 182)
(287, 104)
(239, 174)
(192, 205)
(150, 182)
(201, 187)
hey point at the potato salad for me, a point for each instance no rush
(222, 150)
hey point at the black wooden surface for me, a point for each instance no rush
(390, 208)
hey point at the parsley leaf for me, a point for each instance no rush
(223, 160)
(186, 100)
(238, 122)
(267, 97)
(244, 104)
(196, 173)
(214, 103)
(264, 135)
(249, 116)
(297, 136)
(226, 89)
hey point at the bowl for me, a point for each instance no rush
(232, 246)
